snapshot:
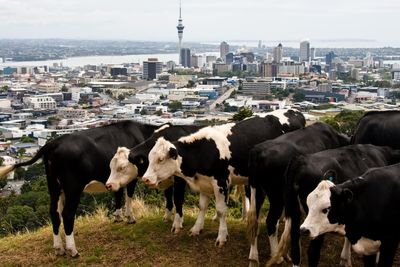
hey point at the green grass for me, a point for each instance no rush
(149, 242)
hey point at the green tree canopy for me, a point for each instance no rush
(344, 122)
(242, 114)
(175, 105)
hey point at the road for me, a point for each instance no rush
(222, 98)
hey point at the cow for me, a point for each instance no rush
(303, 175)
(365, 209)
(380, 128)
(268, 162)
(215, 158)
(74, 162)
(128, 164)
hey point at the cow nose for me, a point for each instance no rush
(146, 180)
(304, 231)
(109, 186)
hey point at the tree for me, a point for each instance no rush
(21, 152)
(190, 84)
(5, 88)
(242, 114)
(299, 96)
(344, 122)
(143, 111)
(158, 112)
(53, 120)
(175, 105)
(3, 182)
(64, 88)
(121, 97)
(27, 139)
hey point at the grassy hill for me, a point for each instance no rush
(149, 242)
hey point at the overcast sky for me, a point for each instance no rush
(204, 20)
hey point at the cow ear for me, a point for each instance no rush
(347, 195)
(173, 153)
(330, 175)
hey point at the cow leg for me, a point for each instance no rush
(295, 231)
(314, 251)
(118, 205)
(245, 194)
(56, 208)
(258, 197)
(168, 194)
(387, 253)
(222, 209)
(274, 213)
(345, 256)
(179, 198)
(199, 225)
(68, 214)
(130, 189)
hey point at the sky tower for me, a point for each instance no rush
(180, 28)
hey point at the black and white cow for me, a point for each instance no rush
(303, 175)
(268, 162)
(365, 209)
(128, 164)
(72, 162)
(380, 128)
(215, 158)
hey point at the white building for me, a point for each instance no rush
(40, 102)
(77, 91)
(7, 161)
(304, 51)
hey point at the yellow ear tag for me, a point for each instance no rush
(141, 161)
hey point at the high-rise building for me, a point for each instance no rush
(185, 57)
(312, 52)
(304, 54)
(223, 49)
(180, 28)
(329, 58)
(278, 53)
(151, 68)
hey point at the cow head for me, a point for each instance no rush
(164, 162)
(122, 171)
(319, 205)
(340, 198)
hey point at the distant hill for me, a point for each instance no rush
(149, 242)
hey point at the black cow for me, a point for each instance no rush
(268, 162)
(128, 164)
(72, 162)
(380, 128)
(215, 158)
(303, 175)
(366, 208)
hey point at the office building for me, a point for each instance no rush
(304, 54)
(223, 49)
(151, 68)
(312, 52)
(278, 53)
(185, 57)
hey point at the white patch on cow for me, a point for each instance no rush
(235, 179)
(222, 209)
(199, 225)
(168, 216)
(219, 134)
(161, 165)
(345, 256)
(128, 209)
(245, 205)
(162, 128)
(70, 245)
(58, 245)
(177, 225)
(122, 171)
(317, 221)
(273, 241)
(279, 113)
(60, 204)
(253, 256)
(366, 246)
(118, 215)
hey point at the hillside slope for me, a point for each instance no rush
(146, 243)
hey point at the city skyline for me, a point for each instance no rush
(206, 21)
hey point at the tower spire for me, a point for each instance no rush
(180, 28)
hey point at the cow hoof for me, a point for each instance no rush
(176, 230)
(73, 253)
(253, 263)
(220, 243)
(59, 251)
(345, 263)
(195, 232)
(118, 218)
(168, 217)
(131, 220)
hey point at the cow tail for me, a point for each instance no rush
(252, 222)
(283, 246)
(4, 170)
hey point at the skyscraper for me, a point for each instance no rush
(312, 51)
(278, 53)
(304, 51)
(185, 57)
(223, 49)
(180, 28)
(151, 68)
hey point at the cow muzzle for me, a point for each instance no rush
(305, 231)
(112, 187)
(148, 182)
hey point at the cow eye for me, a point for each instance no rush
(325, 211)
(160, 160)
